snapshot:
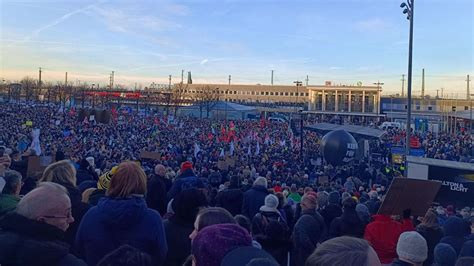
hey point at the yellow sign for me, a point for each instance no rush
(29, 123)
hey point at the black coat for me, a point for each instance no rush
(432, 237)
(373, 205)
(308, 231)
(330, 212)
(31, 243)
(348, 224)
(177, 236)
(85, 175)
(79, 208)
(231, 200)
(254, 198)
(156, 195)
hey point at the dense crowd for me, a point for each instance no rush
(212, 193)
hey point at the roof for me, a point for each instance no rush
(441, 163)
(364, 132)
(226, 106)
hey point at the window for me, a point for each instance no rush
(417, 107)
(235, 92)
(286, 93)
(266, 93)
(466, 108)
(307, 94)
(291, 93)
(430, 108)
(227, 92)
(253, 93)
(406, 106)
(271, 93)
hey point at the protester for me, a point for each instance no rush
(254, 198)
(309, 230)
(212, 244)
(122, 217)
(432, 232)
(444, 255)
(156, 190)
(102, 186)
(343, 250)
(126, 255)
(455, 233)
(10, 195)
(412, 250)
(231, 198)
(64, 173)
(186, 180)
(178, 227)
(349, 223)
(34, 233)
(333, 209)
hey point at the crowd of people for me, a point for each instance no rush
(211, 193)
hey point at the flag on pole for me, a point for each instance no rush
(222, 153)
(197, 149)
(35, 144)
(232, 148)
(257, 150)
(249, 151)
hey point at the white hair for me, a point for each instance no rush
(261, 181)
(47, 196)
(373, 194)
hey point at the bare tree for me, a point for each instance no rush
(206, 97)
(28, 84)
(178, 95)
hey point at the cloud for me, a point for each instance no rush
(373, 24)
(203, 62)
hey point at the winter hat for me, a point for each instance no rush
(467, 249)
(412, 246)
(213, 243)
(271, 204)
(187, 203)
(261, 181)
(444, 255)
(186, 166)
(363, 212)
(454, 226)
(104, 180)
(246, 255)
(309, 201)
(322, 198)
(90, 160)
(334, 198)
(345, 196)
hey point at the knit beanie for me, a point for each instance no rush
(271, 204)
(334, 198)
(467, 249)
(186, 166)
(104, 180)
(412, 246)
(444, 255)
(214, 242)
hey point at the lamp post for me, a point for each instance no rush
(409, 9)
(298, 84)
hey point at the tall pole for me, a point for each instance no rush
(39, 84)
(423, 83)
(301, 136)
(182, 76)
(468, 97)
(410, 9)
(403, 85)
(307, 80)
(230, 78)
(470, 112)
(272, 78)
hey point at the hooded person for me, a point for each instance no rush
(363, 213)
(373, 203)
(412, 250)
(271, 230)
(432, 232)
(122, 216)
(214, 242)
(187, 179)
(467, 249)
(349, 223)
(333, 209)
(231, 198)
(444, 255)
(455, 233)
(254, 198)
(178, 227)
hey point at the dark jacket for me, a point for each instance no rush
(432, 237)
(115, 222)
(95, 196)
(330, 212)
(85, 175)
(156, 194)
(185, 181)
(398, 262)
(31, 243)
(177, 237)
(254, 198)
(79, 209)
(455, 233)
(231, 200)
(8, 203)
(348, 224)
(309, 230)
(373, 205)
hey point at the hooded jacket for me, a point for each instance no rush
(118, 221)
(186, 180)
(455, 233)
(254, 198)
(383, 234)
(31, 243)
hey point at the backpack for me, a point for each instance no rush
(272, 227)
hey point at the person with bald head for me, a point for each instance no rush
(34, 233)
(156, 190)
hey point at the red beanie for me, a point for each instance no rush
(186, 165)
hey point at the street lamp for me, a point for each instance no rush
(409, 9)
(298, 84)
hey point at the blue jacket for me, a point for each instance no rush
(185, 181)
(115, 222)
(254, 198)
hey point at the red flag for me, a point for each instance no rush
(262, 122)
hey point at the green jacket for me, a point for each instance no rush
(8, 203)
(296, 197)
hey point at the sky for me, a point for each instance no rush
(145, 41)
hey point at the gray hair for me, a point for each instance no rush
(342, 250)
(373, 194)
(261, 181)
(41, 200)
(12, 179)
(323, 197)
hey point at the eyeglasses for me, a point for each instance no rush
(69, 214)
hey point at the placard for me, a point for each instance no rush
(150, 155)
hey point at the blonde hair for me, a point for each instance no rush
(62, 172)
(87, 193)
(127, 180)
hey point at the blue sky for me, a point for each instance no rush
(345, 41)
